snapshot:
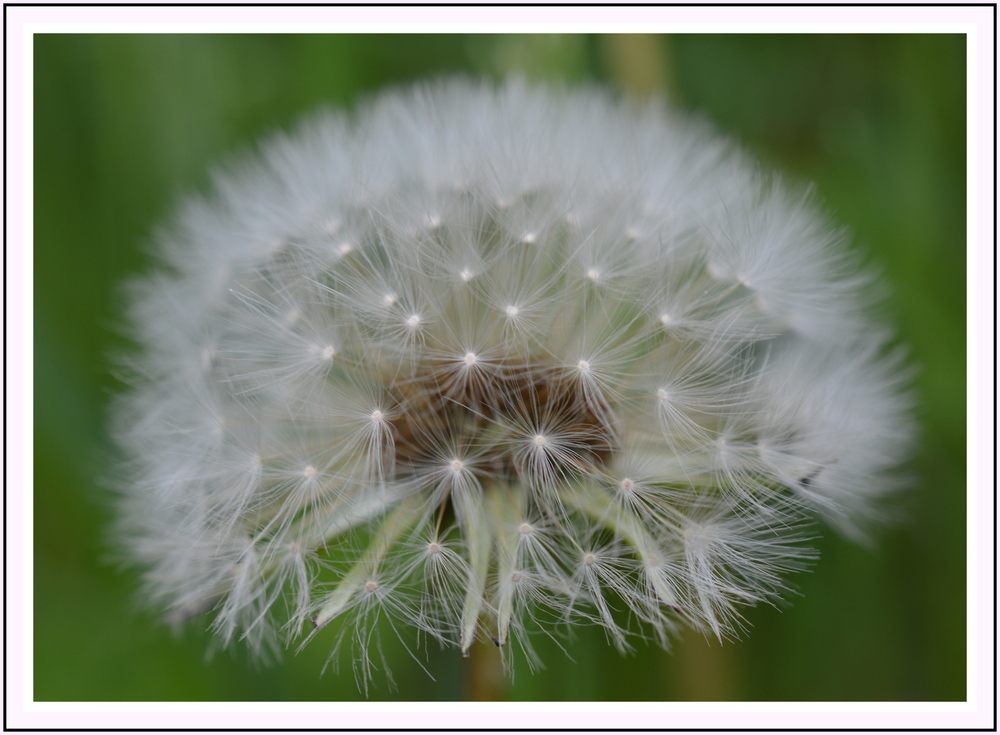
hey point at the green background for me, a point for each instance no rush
(125, 124)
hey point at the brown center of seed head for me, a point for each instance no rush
(491, 414)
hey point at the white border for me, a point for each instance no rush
(585, 19)
(977, 22)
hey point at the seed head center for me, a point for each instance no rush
(517, 420)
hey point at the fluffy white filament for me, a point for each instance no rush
(475, 358)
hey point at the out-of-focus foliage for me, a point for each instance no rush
(124, 125)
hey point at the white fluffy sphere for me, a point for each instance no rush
(476, 357)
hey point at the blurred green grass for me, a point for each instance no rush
(125, 124)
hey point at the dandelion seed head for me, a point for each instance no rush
(461, 432)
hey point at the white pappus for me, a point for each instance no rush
(481, 360)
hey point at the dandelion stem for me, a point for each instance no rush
(485, 680)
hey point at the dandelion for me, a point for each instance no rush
(482, 361)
